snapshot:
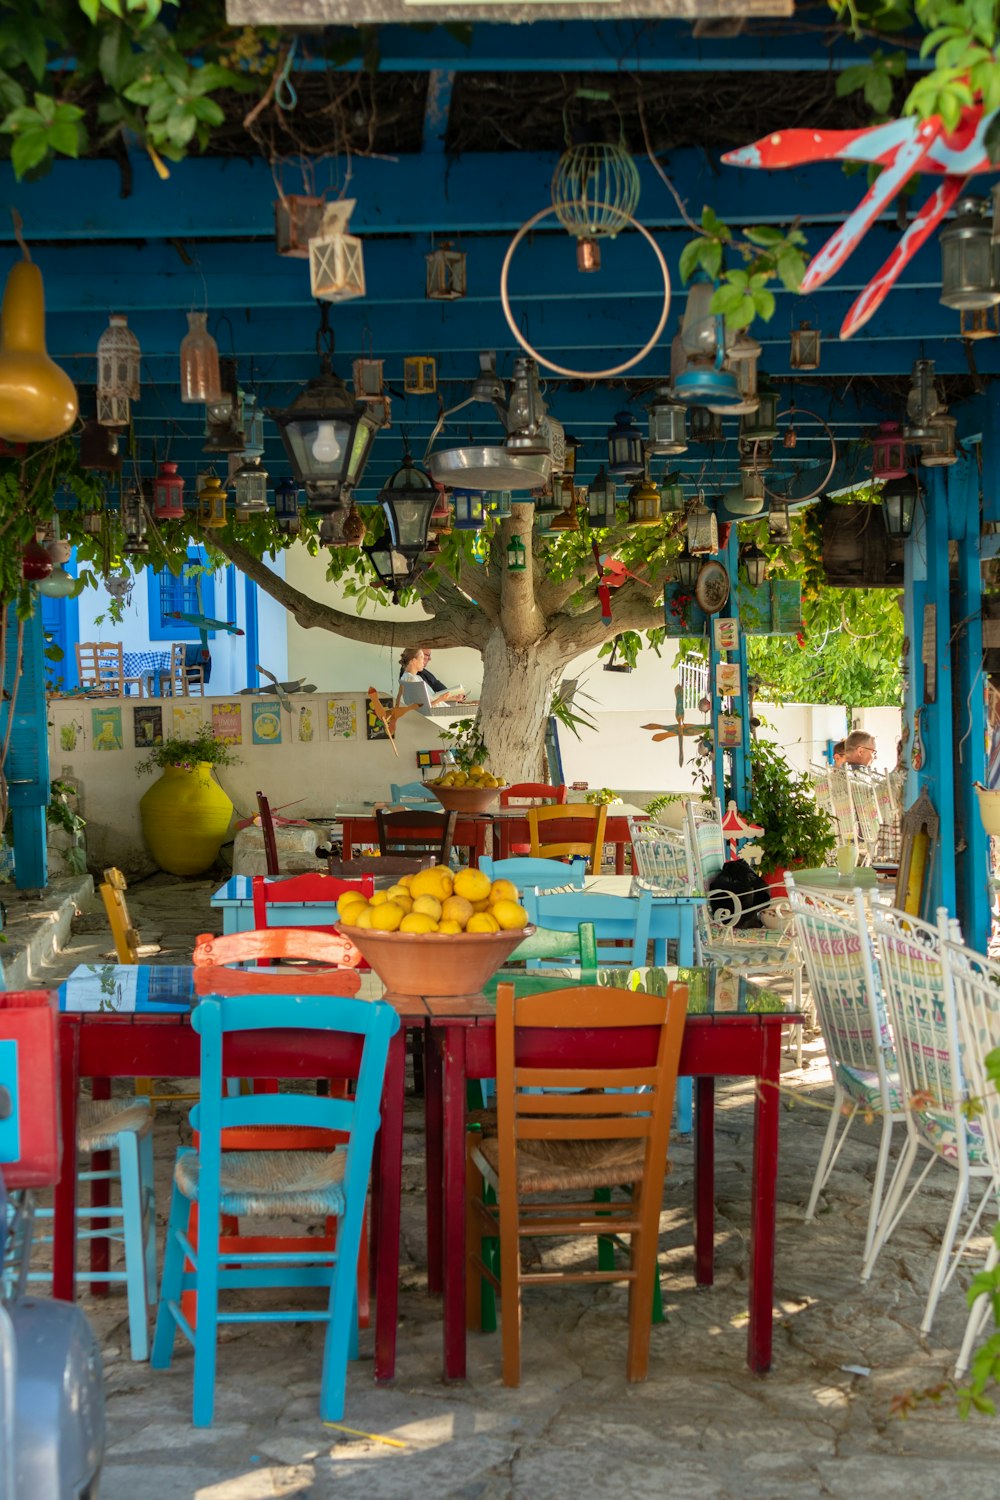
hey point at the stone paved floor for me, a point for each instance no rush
(700, 1426)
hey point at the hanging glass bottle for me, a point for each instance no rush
(200, 380)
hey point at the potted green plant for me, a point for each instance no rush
(796, 830)
(186, 814)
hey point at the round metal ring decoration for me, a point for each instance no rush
(794, 411)
(561, 369)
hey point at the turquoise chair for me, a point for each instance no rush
(525, 872)
(273, 1184)
(615, 918)
(412, 794)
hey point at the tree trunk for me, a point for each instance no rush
(514, 705)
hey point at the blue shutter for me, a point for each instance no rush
(27, 766)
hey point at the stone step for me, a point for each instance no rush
(36, 926)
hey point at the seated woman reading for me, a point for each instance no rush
(411, 669)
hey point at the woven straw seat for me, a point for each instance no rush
(555, 1166)
(271, 1184)
(99, 1121)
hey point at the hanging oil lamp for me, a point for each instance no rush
(755, 565)
(967, 269)
(704, 425)
(899, 505)
(888, 452)
(779, 522)
(134, 523)
(667, 423)
(250, 487)
(625, 455)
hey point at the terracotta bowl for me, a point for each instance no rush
(417, 963)
(466, 799)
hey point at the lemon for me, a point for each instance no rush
(378, 898)
(449, 925)
(444, 870)
(363, 918)
(480, 906)
(483, 921)
(428, 883)
(478, 772)
(457, 909)
(405, 901)
(406, 881)
(387, 917)
(395, 891)
(430, 906)
(474, 885)
(348, 900)
(510, 914)
(503, 890)
(418, 921)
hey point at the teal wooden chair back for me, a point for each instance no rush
(527, 872)
(412, 794)
(276, 1184)
(550, 945)
(616, 919)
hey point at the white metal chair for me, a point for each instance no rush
(661, 862)
(924, 1021)
(864, 802)
(836, 948)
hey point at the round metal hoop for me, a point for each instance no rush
(561, 369)
(792, 411)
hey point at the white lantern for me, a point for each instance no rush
(336, 261)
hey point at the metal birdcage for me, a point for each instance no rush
(595, 192)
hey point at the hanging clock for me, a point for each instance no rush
(711, 588)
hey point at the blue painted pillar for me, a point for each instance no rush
(973, 862)
(251, 625)
(927, 584)
(27, 764)
(732, 767)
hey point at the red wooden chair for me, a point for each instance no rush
(295, 889)
(267, 829)
(526, 794)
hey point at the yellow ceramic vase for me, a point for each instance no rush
(185, 817)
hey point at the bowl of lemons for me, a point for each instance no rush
(472, 791)
(438, 932)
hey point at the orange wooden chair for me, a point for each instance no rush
(559, 832)
(604, 1134)
(333, 957)
(517, 796)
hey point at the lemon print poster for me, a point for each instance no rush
(266, 723)
(106, 726)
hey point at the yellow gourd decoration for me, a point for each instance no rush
(37, 399)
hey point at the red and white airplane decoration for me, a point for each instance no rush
(901, 148)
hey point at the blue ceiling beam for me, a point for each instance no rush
(477, 193)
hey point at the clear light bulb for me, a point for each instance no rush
(326, 449)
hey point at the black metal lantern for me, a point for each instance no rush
(755, 563)
(393, 568)
(899, 505)
(408, 500)
(327, 434)
(602, 497)
(967, 278)
(686, 569)
(704, 425)
(286, 506)
(134, 522)
(625, 456)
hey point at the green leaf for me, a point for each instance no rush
(29, 148)
(90, 9)
(764, 303)
(710, 256)
(764, 235)
(689, 260)
(878, 93)
(11, 94)
(727, 298)
(791, 268)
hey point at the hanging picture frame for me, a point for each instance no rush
(726, 633)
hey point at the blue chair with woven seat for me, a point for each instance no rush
(621, 923)
(545, 874)
(273, 1184)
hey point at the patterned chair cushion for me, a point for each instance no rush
(939, 1132)
(863, 1088)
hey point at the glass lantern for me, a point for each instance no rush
(755, 565)
(212, 503)
(625, 455)
(671, 496)
(134, 523)
(922, 403)
(118, 356)
(805, 342)
(700, 327)
(571, 446)
(250, 486)
(899, 505)
(498, 504)
(888, 452)
(967, 269)
(602, 498)
(113, 411)
(393, 569)
(286, 506)
(644, 504)
(200, 380)
(938, 451)
(441, 515)
(779, 522)
(446, 280)
(517, 555)
(470, 514)
(253, 427)
(92, 522)
(331, 528)
(752, 488)
(704, 425)
(686, 568)
(168, 494)
(754, 456)
(408, 500)
(667, 423)
(761, 425)
(702, 528)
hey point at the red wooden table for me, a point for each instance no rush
(743, 1045)
(511, 825)
(103, 1045)
(471, 833)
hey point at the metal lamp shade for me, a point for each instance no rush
(967, 257)
(667, 423)
(250, 486)
(625, 456)
(602, 497)
(328, 438)
(704, 383)
(899, 505)
(286, 506)
(168, 494)
(889, 452)
(644, 504)
(409, 500)
(755, 565)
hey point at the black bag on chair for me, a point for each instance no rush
(737, 878)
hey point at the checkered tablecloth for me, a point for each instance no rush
(148, 664)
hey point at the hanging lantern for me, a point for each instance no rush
(336, 259)
(296, 219)
(979, 322)
(92, 522)
(441, 515)
(286, 506)
(701, 328)
(211, 502)
(625, 455)
(571, 447)
(498, 504)
(686, 568)
(755, 565)
(224, 431)
(565, 519)
(595, 192)
(250, 486)
(967, 278)
(331, 529)
(168, 494)
(779, 522)
(445, 274)
(470, 514)
(327, 435)
(529, 430)
(938, 451)
(368, 378)
(888, 452)
(393, 569)
(118, 356)
(113, 411)
(702, 528)
(134, 523)
(408, 500)
(419, 375)
(548, 505)
(761, 425)
(99, 448)
(805, 342)
(671, 496)
(667, 423)
(602, 497)
(752, 491)
(742, 354)
(705, 380)
(644, 504)
(755, 456)
(354, 527)
(922, 403)
(35, 562)
(252, 423)
(517, 555)
(704, 425)
(899, 505)
(200, 380)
